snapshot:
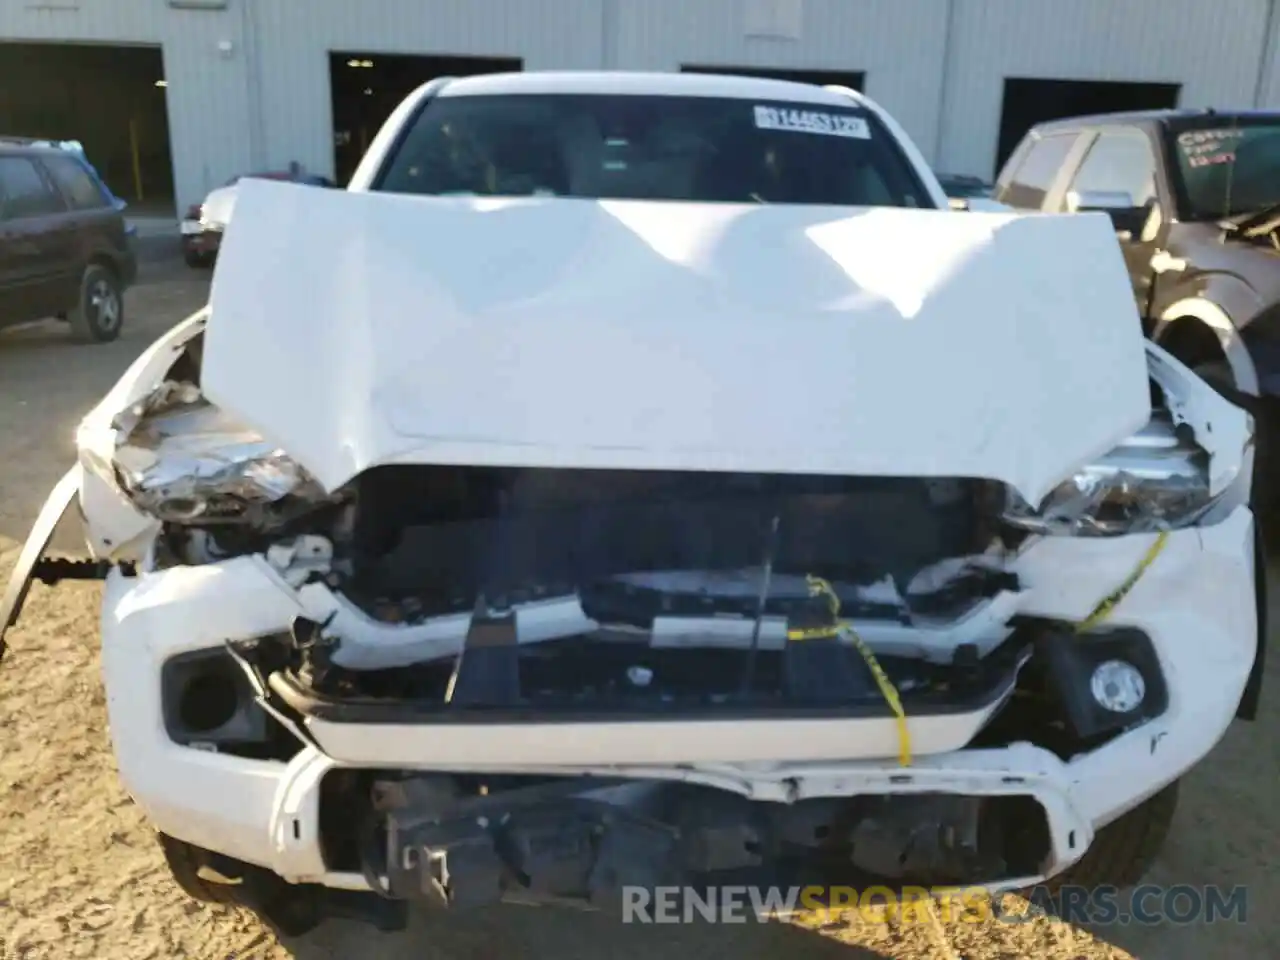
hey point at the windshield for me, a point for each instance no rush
(1227, 168)
(962, 187)
(652, 148)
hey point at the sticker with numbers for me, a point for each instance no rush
(795, 120)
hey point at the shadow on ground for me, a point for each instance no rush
(558, 934)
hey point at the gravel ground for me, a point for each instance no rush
(80, 874)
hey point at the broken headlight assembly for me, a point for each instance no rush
(180, 459)
(1158, 479)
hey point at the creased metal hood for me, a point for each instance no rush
(356, 330)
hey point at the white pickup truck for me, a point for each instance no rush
(649, 478)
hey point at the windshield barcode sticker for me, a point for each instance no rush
(812, 121)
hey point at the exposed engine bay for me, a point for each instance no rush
(632, 591)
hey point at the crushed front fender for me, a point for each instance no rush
(33, 564)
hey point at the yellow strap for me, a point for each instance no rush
(888, 691)
(1112, 600)
(820, 587)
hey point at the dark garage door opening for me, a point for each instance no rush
(852, 79)
(366, 87)
(1028, 102)
(109, 98)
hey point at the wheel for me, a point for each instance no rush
(98, 316)
(197, 261)
(1123, 851)
(185, 862)
(286, 910)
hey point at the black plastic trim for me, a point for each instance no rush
(1071, 659)
(1252, 695)
(310, 704)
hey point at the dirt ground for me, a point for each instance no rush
(81, 876)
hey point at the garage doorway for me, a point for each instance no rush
(1029, 101)
(366, 87)
(853, 79)
(109, 98)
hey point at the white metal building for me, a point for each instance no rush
(248, 82)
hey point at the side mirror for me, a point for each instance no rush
(1083, 201)
(1128, 217)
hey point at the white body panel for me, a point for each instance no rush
(638, 335)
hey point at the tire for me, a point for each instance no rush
(197, 261)
(99, 314)
(280, 908)
(1123, 851)
(185, 862)
(1217, 374)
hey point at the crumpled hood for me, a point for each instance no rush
(658, 335)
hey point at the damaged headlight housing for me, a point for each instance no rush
(182, 460)
(1157, 480)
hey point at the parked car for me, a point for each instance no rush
(649, 477)
(1195, 199)
(65, 249)
(204, 224)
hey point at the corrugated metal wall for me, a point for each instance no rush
(297, 35)
(249, 85)
(209, 101)
(898, 43)
(1213, 49)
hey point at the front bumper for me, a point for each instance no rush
(1197, 603)
(198, 240)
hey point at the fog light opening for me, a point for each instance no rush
(208, 701)
(1118, 686)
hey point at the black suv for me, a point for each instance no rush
(64, 248)
(1195, 199)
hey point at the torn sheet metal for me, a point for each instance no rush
(176, 453)
(1158, 479)
(658, 335)
(945, 573)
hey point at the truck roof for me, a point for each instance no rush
(636, 83)
(29, 143)
(1143, 117)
